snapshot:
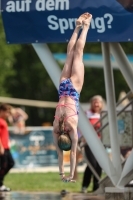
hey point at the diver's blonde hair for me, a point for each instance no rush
(64, 141)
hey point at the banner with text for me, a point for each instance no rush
(44, 21)
(34, 149)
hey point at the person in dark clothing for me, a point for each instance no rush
(88, 173)
(93, 115)
(6, 160)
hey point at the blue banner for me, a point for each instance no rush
(34, 149)
(44, 21)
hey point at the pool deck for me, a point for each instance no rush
(87, 196)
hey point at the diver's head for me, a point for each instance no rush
(64, 142)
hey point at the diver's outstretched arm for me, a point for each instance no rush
(74, 138)
(60, 154)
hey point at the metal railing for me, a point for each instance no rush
(81, 144)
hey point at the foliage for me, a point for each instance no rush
(7, 59)
(31, 81)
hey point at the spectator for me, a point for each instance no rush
(93, 114)
(17, 119)
(6, 159)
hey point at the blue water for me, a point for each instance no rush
(29, 196)
(89, 57)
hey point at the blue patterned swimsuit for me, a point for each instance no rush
(66, 88)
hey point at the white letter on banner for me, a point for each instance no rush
(50, 5)
(50, 20)
(110, 19)
(40, 5)
(71, 23)
(10, 6)
(62, 2)
(92, 24)
(20, 8)
(63, 23)
(27, 2)
(99, 22)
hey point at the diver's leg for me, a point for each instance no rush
(66, 72)
(77, 75)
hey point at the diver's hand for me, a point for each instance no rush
(67, 179)
(62, 176)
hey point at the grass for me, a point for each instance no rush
(41, 182)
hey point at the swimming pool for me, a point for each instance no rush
(29, 196)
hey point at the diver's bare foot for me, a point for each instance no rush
(87, 20)
(82, 17)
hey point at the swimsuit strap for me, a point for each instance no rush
(65, 105)
(69, 116)
(56, 117)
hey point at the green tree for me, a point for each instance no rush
(31, 81)
(7, 59)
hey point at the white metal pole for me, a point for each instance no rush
(97, 147)
(112, 117)
(127, 173)
(49, 62)
(86, 128)
(123, 63)
(28, 102)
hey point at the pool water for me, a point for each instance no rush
(29, 196)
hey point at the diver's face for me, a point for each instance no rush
(127, 4)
